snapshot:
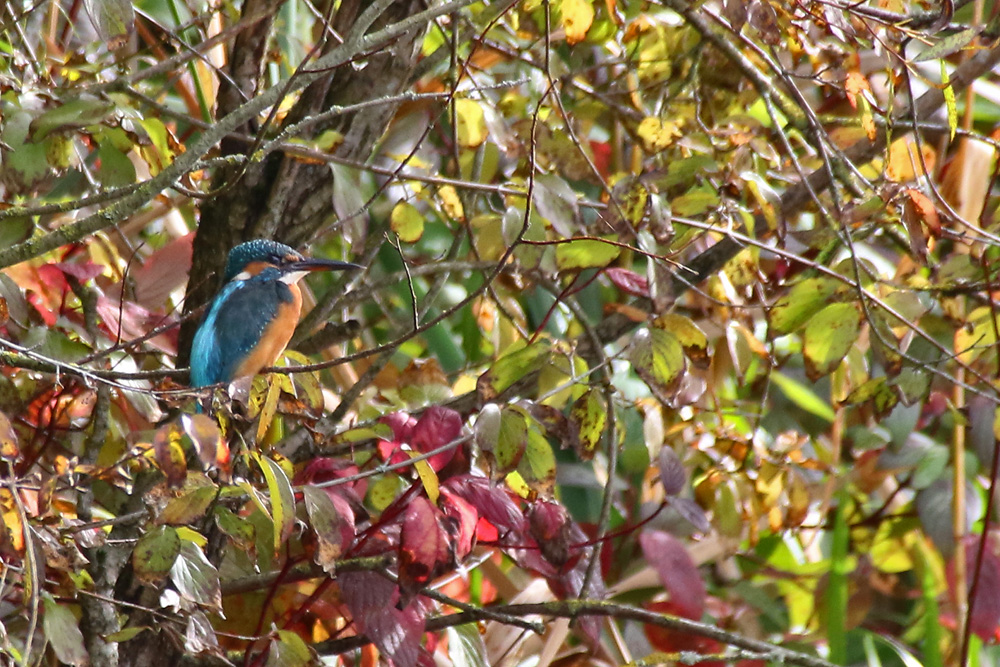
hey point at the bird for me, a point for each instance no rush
(252, 318)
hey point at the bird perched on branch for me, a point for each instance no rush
(252, 318)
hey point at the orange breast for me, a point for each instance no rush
(275, 337)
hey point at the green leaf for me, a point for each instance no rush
(803, 397)
(384, 490)
(187, 507)
(76, 113)
(511, 442)
(692, 339)
(155, 553)
(949, 45)
(114, 20)
(63, 633)
(805, 299)
(585, 254)
(238, 529)
(114, 168)
(407, 222)
(590, 415)
(289, 651)
(538, 465)
(828, 337)
(282, 499)
(511, 367)
(878, 391)
(949, 102)
(696, 201)
(658, 358)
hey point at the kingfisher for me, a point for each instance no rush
(252, 318)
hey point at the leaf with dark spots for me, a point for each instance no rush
(673, 477)
(511, 442)
(154, 554)
(678, 573)
(169, 454)
(551, 527)
(333, 525)
(189, 506)
(424, 545)
(589, 415)
(465, 518)
(492, 502)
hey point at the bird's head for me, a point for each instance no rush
(250, 258)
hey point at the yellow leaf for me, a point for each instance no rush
(270, 406)
(407, 222)
(451, 202)
(471, 123)
(428, 478)
(904, 160)
(657, 135)
(578, 15)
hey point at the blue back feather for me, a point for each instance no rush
(234, 323)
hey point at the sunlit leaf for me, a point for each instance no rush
(538, 465)
(282, 499)
(585, 254)
(407, 222)
(471, 123)
(658, 357)
(828, 336)
(189, 506)
(806, 298)
(803, 396)
(289, 650)
(578, 15)
(195, 578)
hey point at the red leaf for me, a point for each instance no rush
(466, 519)
(125, 319)
(984, 617)
(424, 547)
(552, 527)
(163, 272)
(327, 468)
(628, 281)
(372, 599)
(675, 641)
(82, 271)
(491, 501)
(401, 424)
(677, 571)
(436, 427)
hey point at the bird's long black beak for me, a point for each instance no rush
(319, 264)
